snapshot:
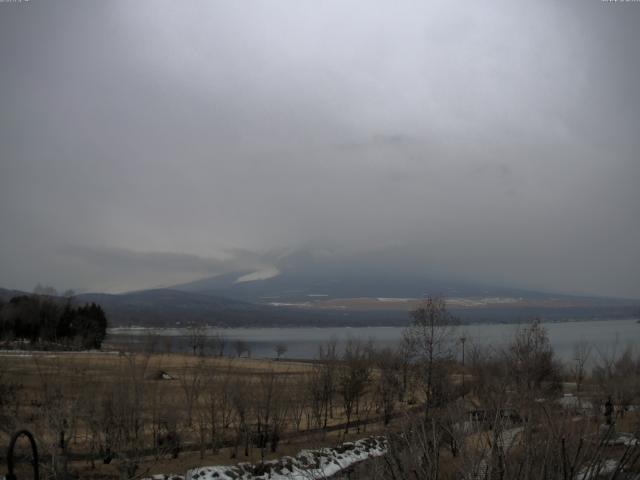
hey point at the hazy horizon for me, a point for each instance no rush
(149, 144)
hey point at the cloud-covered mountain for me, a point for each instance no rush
(307, 274)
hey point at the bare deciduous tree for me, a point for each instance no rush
(122, 418)
(280, 350)
(581, 355)
(191, 381)
(531, 361)
(327, 371)
(218, 344)
(430, 339)
(241, 347)
(197, 337)
(353, 376)
(389, 367)
(269, 411)
(240, 399)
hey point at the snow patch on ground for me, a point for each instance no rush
(508, 437)
(54, 353)
(571, 402)
(306, 465)
(605, 468)
(626, 439)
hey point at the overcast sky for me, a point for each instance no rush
(146, 143)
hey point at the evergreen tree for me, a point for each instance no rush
(39, 318)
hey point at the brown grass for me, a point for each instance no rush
(83, 377)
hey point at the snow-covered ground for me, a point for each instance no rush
(306, 465)
(626, 439)
(509, 436)
(55, 353)
(394, 299)
(286, 304)
(572, 402)
(460, 301)
(598, 469)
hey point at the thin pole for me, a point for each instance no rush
(463, 339)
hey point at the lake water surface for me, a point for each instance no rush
(606, 336)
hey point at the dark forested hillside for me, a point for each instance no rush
(47, 321)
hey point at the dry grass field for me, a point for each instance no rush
(168, 413)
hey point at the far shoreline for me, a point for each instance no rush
(134, 328)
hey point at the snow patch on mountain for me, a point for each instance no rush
(264, 274)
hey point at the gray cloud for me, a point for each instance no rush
(496, 141)
(119, 269)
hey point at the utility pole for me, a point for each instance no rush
(463, 339)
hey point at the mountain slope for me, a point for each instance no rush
(170, 308)
(167, 308)
(309, 275)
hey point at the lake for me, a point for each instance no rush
(606, 336)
